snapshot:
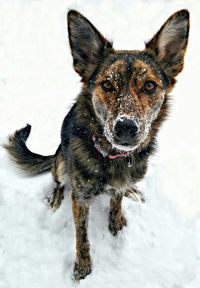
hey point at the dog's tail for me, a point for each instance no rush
(28, 161)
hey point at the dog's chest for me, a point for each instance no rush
(110, 175)
(96, 174)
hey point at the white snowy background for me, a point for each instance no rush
(160, 247)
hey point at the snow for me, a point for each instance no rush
(160, 245)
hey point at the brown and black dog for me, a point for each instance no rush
(109, 133)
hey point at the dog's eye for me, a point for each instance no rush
(107, 86)
(149, 87)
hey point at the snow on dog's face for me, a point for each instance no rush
(127, 98)
(128, 88)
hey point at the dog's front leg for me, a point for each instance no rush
(82, 265)
(116, 218)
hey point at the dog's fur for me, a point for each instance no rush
(117, 87)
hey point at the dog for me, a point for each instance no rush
(110, 132)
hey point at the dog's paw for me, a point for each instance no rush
(134, 194)
(82, 269)
(53, 204)
(116, 223)
(55, 199)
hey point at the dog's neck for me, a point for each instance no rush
(108, 153)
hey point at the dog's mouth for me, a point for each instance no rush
(124, 147)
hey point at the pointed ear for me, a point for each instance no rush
(88, 46)
(169, 44)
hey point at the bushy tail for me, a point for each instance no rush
(28, 161)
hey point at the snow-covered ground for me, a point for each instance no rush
(161, 245)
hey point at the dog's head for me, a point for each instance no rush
(128, 88)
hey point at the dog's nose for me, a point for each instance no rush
(125, 129)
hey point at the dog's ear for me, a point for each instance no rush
(169, 44)
(88, 46)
